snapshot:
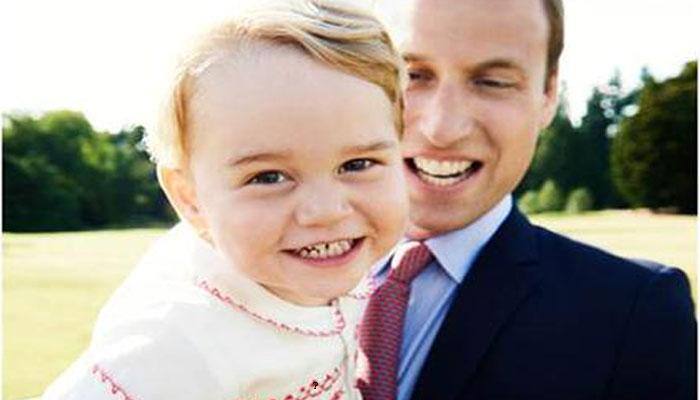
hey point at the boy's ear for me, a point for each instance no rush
(179, 188)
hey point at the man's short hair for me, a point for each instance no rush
(554, 10)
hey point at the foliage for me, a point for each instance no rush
(603, 113)
(528, 203)
(654, 156)
(550, 197)
(59, 174)
(38, 197)
(579, 200)
(556, 154)
(582, 156)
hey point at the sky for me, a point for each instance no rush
(109, 59)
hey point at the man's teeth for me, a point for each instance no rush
(441, 168)
(326, 250)
(439, 181)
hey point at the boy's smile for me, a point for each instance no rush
(335, 253)
(295, 171)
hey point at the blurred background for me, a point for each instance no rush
(80, 83)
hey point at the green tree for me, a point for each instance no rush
(550, 197)
(579, 200)
(37, 196)
(528, 202)
(654, 156)
(135, 180)
(556, 154)
(60, 174)
(604, 111)
(44, 180)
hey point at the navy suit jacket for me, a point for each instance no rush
(541, 317)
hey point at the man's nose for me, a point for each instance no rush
(448, 118)
(322, 204)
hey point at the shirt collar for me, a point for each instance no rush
(469, 241)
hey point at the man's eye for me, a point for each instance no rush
(356, 165)
(494, 83)
(419, 75)
(268, 178)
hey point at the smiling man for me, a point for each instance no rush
(504, 309)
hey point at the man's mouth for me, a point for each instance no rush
(326, 250)
(442, 172)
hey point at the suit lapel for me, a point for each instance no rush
(503, 275)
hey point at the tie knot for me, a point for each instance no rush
(412, 258)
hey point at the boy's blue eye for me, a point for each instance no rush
(268, 178)
(356, 165)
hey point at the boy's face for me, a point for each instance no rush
(296, 172)
(475, 102)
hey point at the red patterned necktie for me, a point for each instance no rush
(381, 330)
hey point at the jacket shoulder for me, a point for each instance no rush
(564, 253)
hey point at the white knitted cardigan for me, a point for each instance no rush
(185, 326)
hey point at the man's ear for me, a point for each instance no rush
(178, 186)
(551, 99)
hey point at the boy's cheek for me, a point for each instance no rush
(387, 205)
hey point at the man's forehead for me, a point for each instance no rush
(435, 29)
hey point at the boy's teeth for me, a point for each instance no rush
(441, 168)
(325, 250)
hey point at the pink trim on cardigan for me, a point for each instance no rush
(339, 321)
(364, 291)
(309, 391)
(337, 395)
(114, 387)
(315, 388)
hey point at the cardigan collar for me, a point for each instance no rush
(212, 273)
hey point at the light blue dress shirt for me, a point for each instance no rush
(433, 291)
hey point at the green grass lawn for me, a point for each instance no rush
(54, 284)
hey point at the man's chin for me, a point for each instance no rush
(437, 219)
(424, 228)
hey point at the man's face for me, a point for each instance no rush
(476, 98)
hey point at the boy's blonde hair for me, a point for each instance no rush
(343, 37)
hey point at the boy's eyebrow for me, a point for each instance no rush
(247, 159)
(376, 146)
(269, 156)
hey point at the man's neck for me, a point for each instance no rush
(503, 206)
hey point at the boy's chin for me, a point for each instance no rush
(313, 297)
(325, 296)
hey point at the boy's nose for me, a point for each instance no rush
(322, 205)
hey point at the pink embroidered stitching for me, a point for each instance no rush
(339, 321)
(316, 388)
(106, 378)
(365, 291)
(337, 395)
